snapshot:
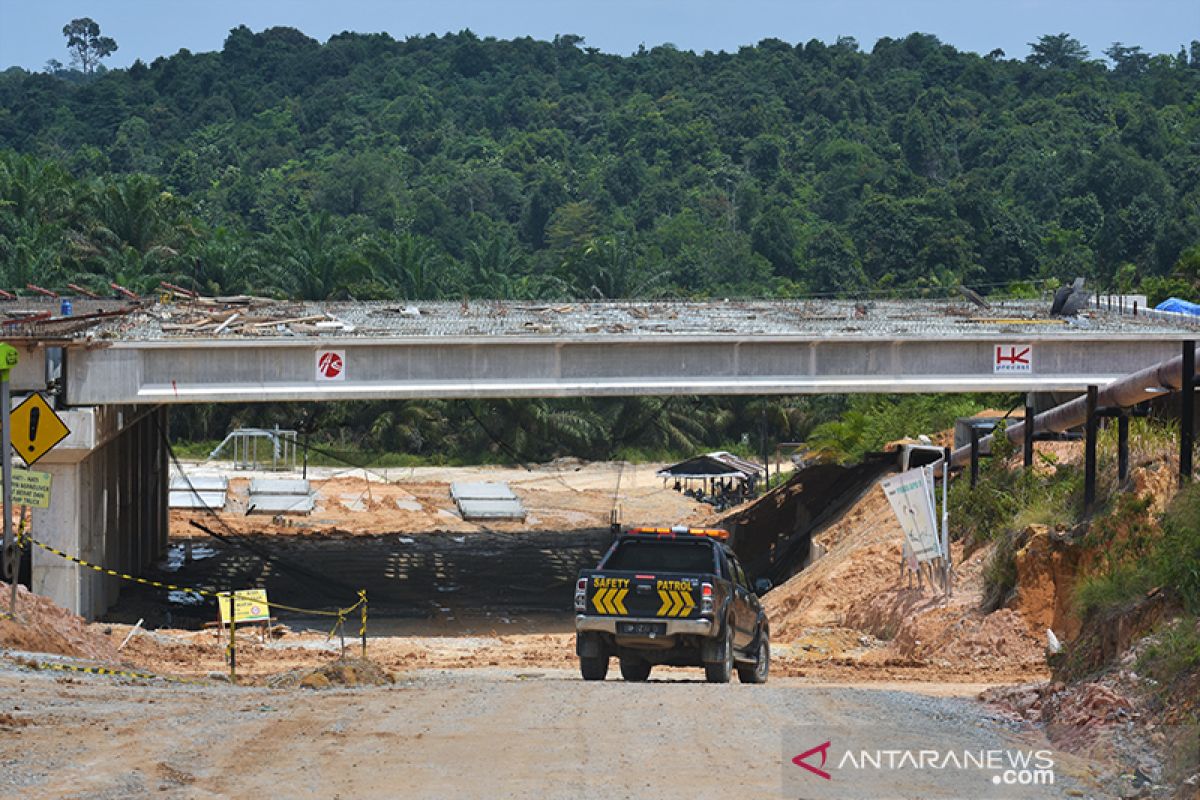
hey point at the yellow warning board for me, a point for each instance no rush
(31, 488)
(35, 429)
(250, 605)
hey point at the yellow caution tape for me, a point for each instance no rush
(116, 673)
(123, 575)
(191, 590)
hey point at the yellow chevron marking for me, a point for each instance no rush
(665, 596)
(617, 602)
(598, 600)
(688, 604)
(677, 603)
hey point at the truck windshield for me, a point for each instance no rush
(661, 556)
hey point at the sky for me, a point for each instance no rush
(31, 30)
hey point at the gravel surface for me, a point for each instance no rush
(476, 733)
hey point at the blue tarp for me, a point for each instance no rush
(1179, 306)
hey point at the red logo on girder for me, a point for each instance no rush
(1013, 356)
(330, 365)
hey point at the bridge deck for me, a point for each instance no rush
(181, 353)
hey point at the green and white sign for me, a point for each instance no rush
(31, 488)
(911, 497)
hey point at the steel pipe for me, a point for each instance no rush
(1123, 392)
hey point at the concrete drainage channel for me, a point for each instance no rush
(418, 583)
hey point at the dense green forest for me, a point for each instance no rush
(452, 166)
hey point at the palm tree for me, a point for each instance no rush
(35, 207)
(223, 262)
(536, 429)
(606, 269)
(313, 259)
(412, 265)
(132, 238)
(495, 272)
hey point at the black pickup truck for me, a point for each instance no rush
(673, 596)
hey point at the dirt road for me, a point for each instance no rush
(484, 733)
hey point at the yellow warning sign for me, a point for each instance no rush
(35, 429)
(31, 488)
(250, 605)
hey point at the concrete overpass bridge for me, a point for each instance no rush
(115, 368)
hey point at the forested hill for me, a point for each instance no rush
(451, 166)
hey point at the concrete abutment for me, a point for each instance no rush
(109, 482)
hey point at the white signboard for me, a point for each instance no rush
(1008, 358)
(911, 496)
(331, 365)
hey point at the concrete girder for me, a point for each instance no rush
(280, 370)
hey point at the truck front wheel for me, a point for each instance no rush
(593, 668)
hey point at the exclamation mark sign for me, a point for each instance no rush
(35, 414)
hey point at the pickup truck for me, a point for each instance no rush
(672, 596)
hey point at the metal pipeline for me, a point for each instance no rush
(1123, 393)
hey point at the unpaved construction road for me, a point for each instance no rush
(478, 733)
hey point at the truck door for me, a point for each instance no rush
(744, 614)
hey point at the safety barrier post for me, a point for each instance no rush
(362, 631)
(232, 638)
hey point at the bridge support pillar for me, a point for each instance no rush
(108, 505)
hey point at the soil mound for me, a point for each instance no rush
(41, 626)
(343, 672)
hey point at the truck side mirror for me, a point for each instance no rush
(762, 586)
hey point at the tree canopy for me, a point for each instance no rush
(454, 165)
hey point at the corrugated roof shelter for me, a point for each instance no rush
(718, 464)
(486, 501)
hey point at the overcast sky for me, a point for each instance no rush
(31, 30)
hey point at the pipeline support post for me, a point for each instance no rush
(1030, 415)
(948, 563)
(1187, 412)
(1089, 452)
(1122, 449)
(974, 456)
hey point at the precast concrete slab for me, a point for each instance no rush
(199, 483)
(185, 499)
(281, 504)
(281, 486)
(464, 490)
